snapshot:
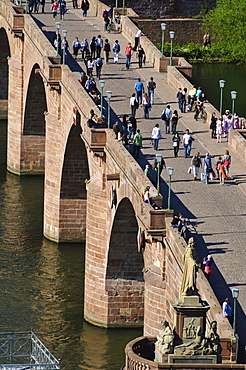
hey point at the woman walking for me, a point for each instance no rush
(76, 47)
(133, 104)
(219, 129)
(174, 121)
(176, 141)
(141, 56)
(196, 163)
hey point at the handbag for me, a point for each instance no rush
(202, 176)
(189, 170)
(163, 116)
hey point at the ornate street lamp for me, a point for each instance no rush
(171, 33)
(222, 85)
(170, 173)
(64, 34)
(109, 95)
(102, 83)
(58, 25)
(233, 98)
(235, 294)
(163, 27)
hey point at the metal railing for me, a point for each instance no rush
(24, 350)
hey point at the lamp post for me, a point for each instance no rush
(235, 294)
(109, 94)
(170, 172)
(233, 98)
(102, 83)
(158, 160)
(171, 33)
(222, 85)
(123, 8)
(163, 27)
(64, 34)
(27, 6)
(58, 25)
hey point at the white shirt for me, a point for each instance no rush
(132, 100)
(156, 133)
(138, 34)
(186, 138)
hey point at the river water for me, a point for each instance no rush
(208, 75)
(41, 283)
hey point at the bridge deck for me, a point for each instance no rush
(217, 213)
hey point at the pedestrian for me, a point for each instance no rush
(179, 97)
(99, 64)
(76, 46)
(227, 162)
(128, 54)
(110, 12)
(93, 47)
(184, 231)
(54, 8)
(83, 79)
(166, 116)
(133, 104)
(174, 121)
(84, 48)
(75, 4)
(116, 129)
(156, 135)
(141, 56)
(106, 22)
(132, 127)
(213, 125)
(146, 105)
(219, 130)
(125, 123)
(207, 167)
(196, 164)
(139, 87)
(90, 66)
(176, 142)
(57, 42)
(227, 310)
(137, 38)
(42, 3)
(187, 142)
(116, 50)
(146, 195)
(146, 171)
(222, 173)
(191, 98)
(62, 4)
(64, 49)
(106, 51)
(151, 86)
(183, 100)
(36, 6)
(199, 93)
(207, 262)
(137, 144)
(198, 106)
(85, 7)
(99, 43)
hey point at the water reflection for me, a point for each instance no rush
(41, 283)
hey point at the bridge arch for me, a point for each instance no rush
(73, 193)
(4, 72)
(124, 276)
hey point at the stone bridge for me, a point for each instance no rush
(92, 185)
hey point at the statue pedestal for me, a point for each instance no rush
(190, 312)
(160, 357)
(205, 359)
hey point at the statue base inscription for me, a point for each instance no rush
(206, 359)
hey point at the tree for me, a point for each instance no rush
(227, 25)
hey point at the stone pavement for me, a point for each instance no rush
(216, 212)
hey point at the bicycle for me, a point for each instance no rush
(204, 114)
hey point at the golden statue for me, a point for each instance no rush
(188, 285)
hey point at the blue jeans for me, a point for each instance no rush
(133, 109)
(151, 96)
(187, 150)
(156, 142)
(128, 61)
(139, 96)
(131, 132)
(183, 105)
(84, 13)
(206, 173)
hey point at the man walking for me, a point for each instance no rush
(156, 135)
(167, 114)
(137, 144)
(106, 50)
(187, 141)
(151, 90)
(139, 87)
(128, 53)
(116, 50)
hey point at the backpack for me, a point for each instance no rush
(99, 62)
(116, 48)
(196, 161)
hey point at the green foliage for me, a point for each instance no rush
(227, 25)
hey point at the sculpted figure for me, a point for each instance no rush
(188, 285)
(165, 338)
(214, 340)
(195, 347)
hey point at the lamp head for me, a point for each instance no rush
(64, 33)
(222, 83)
(170, 170)
(163, 26)
(158, 158)
(171, 33)
(109, 94)
(102, 83)
(58, 25)
(235, 293)
(233, 95)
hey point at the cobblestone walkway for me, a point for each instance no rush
(217, 213)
